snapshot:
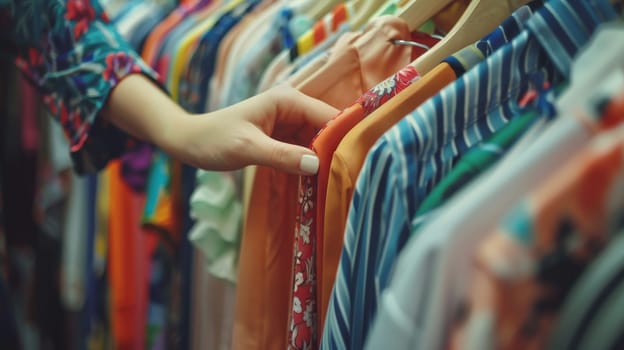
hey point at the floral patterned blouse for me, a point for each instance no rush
(74, 57)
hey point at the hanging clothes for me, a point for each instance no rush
(514, 298)
(308, 230)
(303, 321)
(271, 222)
(462, 207)
(320, 32)
(407, 161)
(436, 245)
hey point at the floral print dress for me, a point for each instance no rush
(74, 57)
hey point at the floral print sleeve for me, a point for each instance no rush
(75, 58)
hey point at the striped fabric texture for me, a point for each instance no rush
(412, 157)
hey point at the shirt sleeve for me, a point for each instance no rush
(75, 58)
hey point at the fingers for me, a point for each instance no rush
(291, 102)
(294, 159)
(286, 157)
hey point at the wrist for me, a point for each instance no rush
(174, 136)
(142, 109)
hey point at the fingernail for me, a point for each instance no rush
(309, 164)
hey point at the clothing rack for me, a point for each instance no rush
(468, 203)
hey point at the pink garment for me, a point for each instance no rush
(358, 62)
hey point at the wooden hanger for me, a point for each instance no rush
(479, 19)
(416, 12)
(364, 10)
(321, 8)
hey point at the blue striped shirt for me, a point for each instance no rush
(412, 157)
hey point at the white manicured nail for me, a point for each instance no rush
(309, 164)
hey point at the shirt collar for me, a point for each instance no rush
(470, 56)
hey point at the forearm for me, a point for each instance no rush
(226, 139)
(140, 108)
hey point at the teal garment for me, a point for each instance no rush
(218, 212)
(74, 57)
(151, 14)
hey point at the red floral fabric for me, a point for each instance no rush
(384, 91)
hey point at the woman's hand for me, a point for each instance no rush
(240, 135)
(226, 139)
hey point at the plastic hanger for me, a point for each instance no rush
(479, 19)
(416, 12)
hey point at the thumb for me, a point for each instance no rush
(290, 158)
